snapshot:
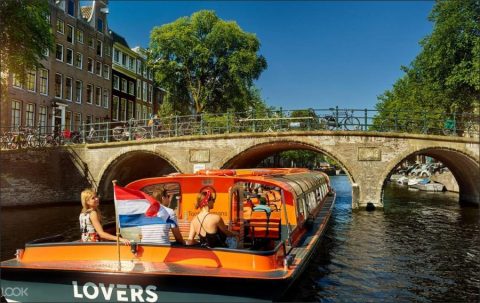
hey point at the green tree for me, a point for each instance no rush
(206, 64)
(445, 76)
(25, 33)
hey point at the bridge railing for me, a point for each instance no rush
(331, 119)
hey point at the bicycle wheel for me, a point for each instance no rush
(117, 133)
(351, 123)
(139, 133)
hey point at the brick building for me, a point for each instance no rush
(74, 85)
(134, 94)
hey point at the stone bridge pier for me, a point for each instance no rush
(368, 158)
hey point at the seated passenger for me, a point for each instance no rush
(262, 206)
(91, 219)
(160, 233)
(209, 227)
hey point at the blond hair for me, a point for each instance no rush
(86, 195)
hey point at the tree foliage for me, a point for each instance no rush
(25, 33)
(445, 75)
(206, 64)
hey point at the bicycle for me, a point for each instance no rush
(130, 130)
(347, 121)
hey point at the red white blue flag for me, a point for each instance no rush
(136, 208)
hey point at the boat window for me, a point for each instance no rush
(173, 192)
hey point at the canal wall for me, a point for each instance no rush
(50, 175)
(447, 179)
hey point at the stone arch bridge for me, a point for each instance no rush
(368, 158)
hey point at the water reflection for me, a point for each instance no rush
(423, 247)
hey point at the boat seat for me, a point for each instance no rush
(184, 227)
(258, 224)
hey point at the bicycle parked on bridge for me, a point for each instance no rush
(129, 131)
(347, 121)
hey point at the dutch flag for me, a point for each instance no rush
(136, 209)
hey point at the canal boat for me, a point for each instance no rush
(273, 249)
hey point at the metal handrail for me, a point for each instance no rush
(331, 119)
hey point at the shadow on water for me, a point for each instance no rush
(422, 247)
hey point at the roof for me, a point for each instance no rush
(86, 12)
(119, 39)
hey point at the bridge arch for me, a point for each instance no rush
(464, 167)
(252, 155)
(132, 165)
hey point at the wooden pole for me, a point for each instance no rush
(117, 227)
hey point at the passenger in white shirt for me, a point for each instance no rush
(159, 233)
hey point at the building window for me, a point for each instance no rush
(59, 52)
(116, 82)
(115, 108)
(71, 7)
(70, 33)
(116, 55)
(144, 91)
(98, 68)
(31, 80)
(89, 119)
(79, 60)
(16, 81)
(98, 96)
(130, 109)
(90, 65)
(131, 64)
(105, 98)
(46, 52)
(107, 50)
(106, 71)
(145, 116)
(139, 89)
(90, 42)
(16, 113)
(124, 85)
(68, 88)
(89, 94)
(42, 119)
(79, 36)
(131, 88)
(58, 85)
(139, 112)
(123, 110)
(60, 26)
(150, 93)
(100, 25)
(78, 91)
(144, 72)
(69, 57)
(30, 115)
(124, 59)
(43, 74)
(99, 48)
(150, 74)
(68, 120)
(77, 124)
(139, 67)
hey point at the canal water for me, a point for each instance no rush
(422, 247)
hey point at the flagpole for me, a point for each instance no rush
(117, 227)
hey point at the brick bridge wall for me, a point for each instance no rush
(58, 175)
(40, 176)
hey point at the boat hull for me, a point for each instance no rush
(27, 285)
